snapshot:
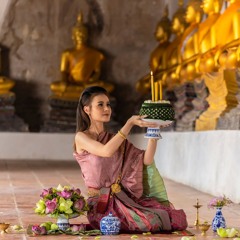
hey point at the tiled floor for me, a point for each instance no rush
(21, 182)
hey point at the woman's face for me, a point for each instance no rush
(100, 109)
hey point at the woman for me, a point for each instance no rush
(112, 169)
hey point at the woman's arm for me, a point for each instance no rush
(85, 142)
(150, 151)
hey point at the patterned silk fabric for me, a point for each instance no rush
(136, 212)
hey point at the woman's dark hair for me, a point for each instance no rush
(83, 120)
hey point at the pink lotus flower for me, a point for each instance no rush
(65, 194)
(79, 205)
(39, 230)
(77, 191)
(46, 192)
(51, 205)
(80, 227)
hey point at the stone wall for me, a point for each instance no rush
(36, 32)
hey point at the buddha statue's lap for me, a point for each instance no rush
(80, 67)
(6, 84)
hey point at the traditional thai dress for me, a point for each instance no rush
(136, 212)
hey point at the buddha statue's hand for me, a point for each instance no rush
(178, 70)
(94, 77)
(216, 57)
(238, 53)
(197, 64)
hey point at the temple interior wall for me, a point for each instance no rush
(207, 160)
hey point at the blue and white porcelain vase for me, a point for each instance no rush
(63, 223)
(218, 221)
(110, 225)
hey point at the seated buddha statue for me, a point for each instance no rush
(206, 37)
(158, 61)
(6, 84)
(188, 45)
(228, 55)
(178, 26)
(221, 87)
(80, 66)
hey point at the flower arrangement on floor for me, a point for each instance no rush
(65, 201)
(219, 202)
(62, 203)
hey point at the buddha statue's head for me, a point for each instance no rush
(179, 23)
(212, 6)
(194, 11)
(79, 31)
(163, 29)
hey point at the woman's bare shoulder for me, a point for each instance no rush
(81, 136)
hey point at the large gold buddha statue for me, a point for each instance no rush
(206, 37)
(80, 66)
(6, 84)
(228, 55)
(222, 87)
(158, 61)
(189, 45)
(173, 55)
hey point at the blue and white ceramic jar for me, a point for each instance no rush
(110, 225)
(218, 221)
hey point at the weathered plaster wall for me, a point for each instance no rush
(36, 32)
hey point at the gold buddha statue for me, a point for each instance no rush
(221, 85)
(228, 55)
(158, 61)
(189, 44)
(80, 66)
(206, 37)
(6, 84)
(173, 56)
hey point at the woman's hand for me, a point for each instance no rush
(166, 125)
(137, 120)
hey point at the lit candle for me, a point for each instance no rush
(156, 90)
(160, 86)
(152, 86)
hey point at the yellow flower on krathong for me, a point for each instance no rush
(65, 205)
